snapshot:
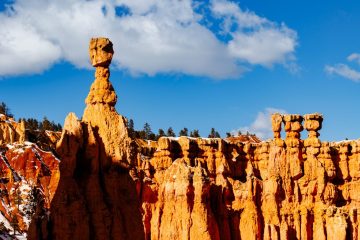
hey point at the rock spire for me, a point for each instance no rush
(100, 110)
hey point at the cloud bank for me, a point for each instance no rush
(150, 37)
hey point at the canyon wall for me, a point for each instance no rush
(110, 186)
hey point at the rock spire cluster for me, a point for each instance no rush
(113, 187)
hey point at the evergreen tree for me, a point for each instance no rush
(195, 133)
(152, 136)
(214, 133)
(184, 132)
(53, 126)
(5, 110)
(170, 132)
(228, 134)
(161, 133)
(131, 128)
(217, 134)
(147, 131)
(140, 134)
(31, 124)
(58, 127)
(46, 124)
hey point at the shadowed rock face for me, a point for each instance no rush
(197, 188)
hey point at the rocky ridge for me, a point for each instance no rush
(111, 187)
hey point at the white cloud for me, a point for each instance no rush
(354, 57)
(232, 12)
(262, 124)
(22, 50)
(255, 39)
(344, 71)
(156, 36)
(264, 47)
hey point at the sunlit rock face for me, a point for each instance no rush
(277, 189)
(109, 186)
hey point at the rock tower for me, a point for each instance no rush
(96, 197)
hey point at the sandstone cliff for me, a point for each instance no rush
(113, 187)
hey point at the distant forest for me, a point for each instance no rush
(148, 134)
(145, 133)
(32, 123)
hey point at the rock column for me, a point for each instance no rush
(293, 128)
(100, 110)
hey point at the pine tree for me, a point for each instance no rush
(214, 133)
(147, 131)
(195, 133)
(228, 134)
(140, 134)
(53, 126)
(170, 132)
(152, 136)
(58, 127)
(5, 110)
(31, 124)
(131, 128)
(46, 124)
(161, 133)
(217, 134)
(184, 132)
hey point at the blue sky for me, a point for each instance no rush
(222, 64)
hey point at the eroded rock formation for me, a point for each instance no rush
(115, 187)
(11, 131)
(97, 195)
(28, 181)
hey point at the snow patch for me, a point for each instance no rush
(5, 222)
(10, 146)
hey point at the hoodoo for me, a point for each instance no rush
(114, 187)
(96, 197)
(100, 111)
